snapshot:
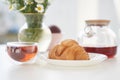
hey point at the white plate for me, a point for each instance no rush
(95, 58)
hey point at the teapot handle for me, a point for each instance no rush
(89, 31)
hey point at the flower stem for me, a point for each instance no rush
(34, 20)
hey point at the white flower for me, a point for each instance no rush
(28, 2)
(23, 8)
(39, 1)
(39, 8)
(13, 7)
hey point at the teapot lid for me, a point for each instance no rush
(97, 22)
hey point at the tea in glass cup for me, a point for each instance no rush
(22, 51)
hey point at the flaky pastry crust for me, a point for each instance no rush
(68, 50)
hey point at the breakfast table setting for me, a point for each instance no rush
(108, 69)
(41, 53)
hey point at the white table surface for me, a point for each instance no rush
(107, 70)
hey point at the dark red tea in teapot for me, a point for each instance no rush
(109, 51)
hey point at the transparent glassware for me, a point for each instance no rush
(43, 41)
(23, 52)
(97, 37)
(35, 31)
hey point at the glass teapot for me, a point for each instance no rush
(97, 37)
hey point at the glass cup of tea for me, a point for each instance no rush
(22, 51)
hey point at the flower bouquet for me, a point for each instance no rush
(34, 11)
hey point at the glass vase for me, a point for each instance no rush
(35, 31)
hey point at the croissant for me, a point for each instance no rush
(69, 43)
(68, 50)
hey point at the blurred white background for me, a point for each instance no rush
(70, 15)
